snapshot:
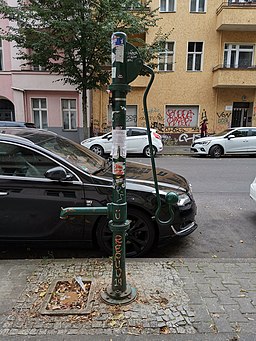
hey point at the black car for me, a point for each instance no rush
(32, 194)
(14, 124)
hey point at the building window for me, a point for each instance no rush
(238, 56)
(38, 68)
(1, 56)
(167, 5)
(166, 58)
(39, 109)
(241, 1)
(69, 113)
(197, 5)
(195, 53)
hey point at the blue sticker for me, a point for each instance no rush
(119, 41)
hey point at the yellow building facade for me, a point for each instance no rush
(207, 70)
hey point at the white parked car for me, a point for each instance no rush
(253, 190)
(234, 141)
(136, 139)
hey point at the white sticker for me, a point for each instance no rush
(119, 136)
(113, 72)
(113, 57)
(118, 143)
(120, 53)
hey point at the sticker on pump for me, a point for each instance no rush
(118, 168)
(119, 136)
(117, 40)
(113, 72)
(120, 53)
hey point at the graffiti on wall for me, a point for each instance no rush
(179, 125)
(154, 114)
(204, 115)
(181, 116)
(99, 129)
(179, 138)
(223, 118)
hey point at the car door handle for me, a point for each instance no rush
(3, 193)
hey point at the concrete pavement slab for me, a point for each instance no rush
(13, 280)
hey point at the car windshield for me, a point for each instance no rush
(222, 133)
(75, 154)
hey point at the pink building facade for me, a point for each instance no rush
(29, 94)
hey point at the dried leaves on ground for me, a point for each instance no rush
(69, 295)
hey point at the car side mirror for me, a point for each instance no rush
(57, 173)
(231, 136)
(109, 137)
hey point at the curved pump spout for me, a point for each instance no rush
(171, 197)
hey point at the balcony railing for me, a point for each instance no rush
(230, 4)
(234, 77)
(238, 67)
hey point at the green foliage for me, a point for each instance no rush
(72, 37)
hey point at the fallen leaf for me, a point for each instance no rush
(163, 301)
(112, 323)
(213, 327)
(216, 315)
(164, 330)
(237, 328)
(42, 294)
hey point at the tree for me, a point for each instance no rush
(72, 37)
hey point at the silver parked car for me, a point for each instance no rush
(253, 190)
(233, 141)
(136, 140)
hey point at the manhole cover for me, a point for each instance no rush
(68, 296)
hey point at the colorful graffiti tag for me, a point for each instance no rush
(181, 117)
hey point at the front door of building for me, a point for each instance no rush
(241, 115)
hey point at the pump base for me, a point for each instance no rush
(109, 296)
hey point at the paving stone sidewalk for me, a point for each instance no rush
(178, 299)
(176, 150)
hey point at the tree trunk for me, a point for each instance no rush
(86, 121)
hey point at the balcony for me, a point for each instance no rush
(236, 16)
(234, 77)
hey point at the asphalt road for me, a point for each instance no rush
(226, 215)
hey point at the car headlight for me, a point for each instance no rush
(206, 142)
(203, 142)
(86, 141)
(184, 199)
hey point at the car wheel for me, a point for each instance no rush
(216, 151)
(140, 236)
(97, 149)
(146, 151)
